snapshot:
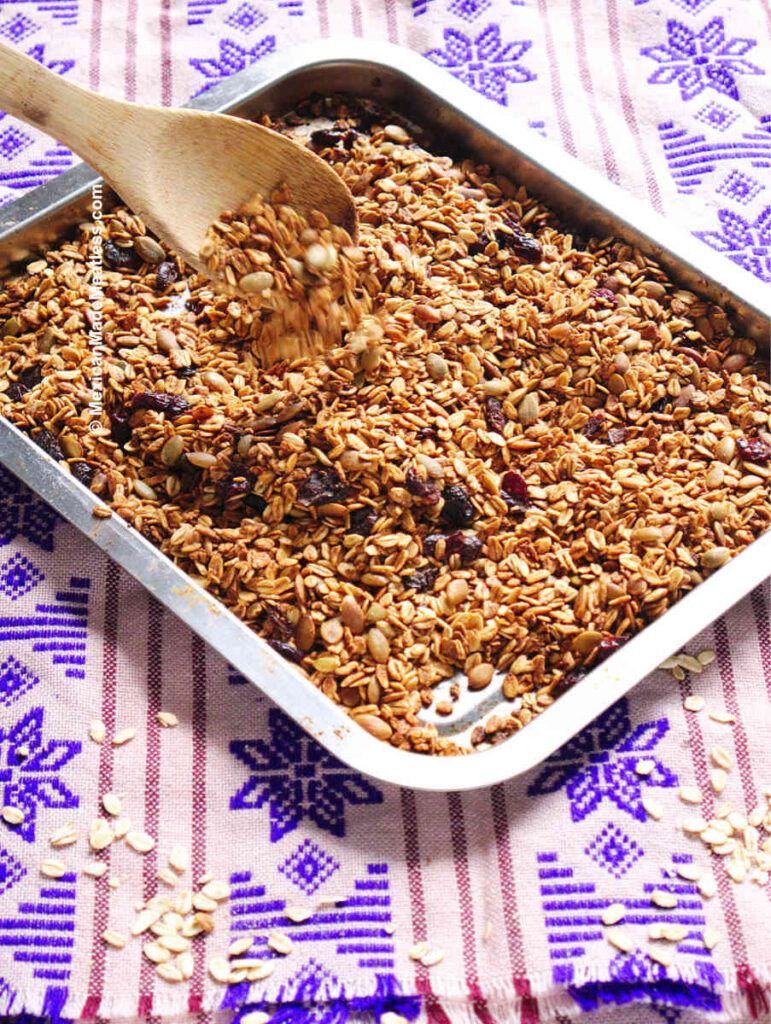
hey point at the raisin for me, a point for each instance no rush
(16, 391)
(494, 414)
(607, 646)
(330, 138)
(467, 545)
(322, 486)
(426, 489)
(82, 472)
(475, 248)
(256, 503)
(46, 440)
(186, 372)
(193, 305)
(520, 242)
(754, 449)
(567, 681)
(288, 651)
(166, 274)
(428, 544)
(604, 296)
(118, 258)
(514, 491)
(362, 521)
(422, 579)
(426, 434)
(457, 509)
(594, 425)
(660, 404)
(160, 401)
(279, 623)
(120, 428)
(236, 482)
(617, 435)
(31, 376)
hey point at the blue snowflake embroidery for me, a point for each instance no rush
(246, 18)
(233, 57)
(23, 514)
(15, 680)
(469, 10)
(693, 6)
(484, 62)
(19, 28)
(10, 871)
(740, 187)
(28, 781)
(701, 60)
(12, 141)
(308, 867)
(38, 53)
(600, 763)
(748, 245)
(299, 779)
(717, 116)
(18, 576)
(613, 850)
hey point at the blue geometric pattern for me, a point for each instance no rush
(469, 10)
(23, 514)
(199, 10)
(13, 141)
(308, 867)
(600, 763)
(740, 187)
(233, 57)
(484, 62)
(298, 779)
(613, 850)
(18, 28)
(42, 935)
(744, 243)
(18, 576)
(692, 158)
(10, 871)
(27, 782)
(15, 680)
(717, 116)
(58, 628)
(701, 60)
(246, 18)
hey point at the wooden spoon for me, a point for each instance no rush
(176, 169)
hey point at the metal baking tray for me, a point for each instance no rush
(432, 98)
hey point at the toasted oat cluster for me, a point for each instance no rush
(300, 276)
(531, 445)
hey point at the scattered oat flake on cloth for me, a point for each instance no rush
(509, 884)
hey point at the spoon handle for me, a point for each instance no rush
(72, 115)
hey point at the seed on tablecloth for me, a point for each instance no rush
(723, 717)
(486, 932)
(156, 953)
(204, 921)
(114, 939)
(663, 899)
(259, 1017)
(97, 730)
(613, 914)
(185, 964)
(167, 719)
(690, 872)
(690, 794)
(721, 758)
(418, 950)
(52, 868)
(756, 816)
(178, 859)
(143, 921)
(694, 703)
(240, 946)
(114, 883)
(645, 766)
(12, 815)
(140, 841)
(673, 932)
(183, 903)
(101, 835)
(95, 869)
(660, 956)
(280, 943)
(174, 943)
(298, 914)
(620, 939)
(718, 779)
(124, 736)
(707, 886)
(205, 903)
(219, 969)
(652, 807)
(169, 972)
(216, 890)
(712, 836)
(207, 877)
(737, 821)
(694, 826)
(389, 1017)
(433, 957)
(711, 937)
(168, 877)
(259, 971)
(111, 804)
(121, 827)
(736, 870)
(706, 657)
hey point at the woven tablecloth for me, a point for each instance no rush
(671, 99)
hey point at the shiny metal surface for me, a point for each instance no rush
(430, 97)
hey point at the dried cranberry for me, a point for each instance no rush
(428, 544)
(457, 509)
(288, 651)
(607, 646)
(754, 449)
(494, 414)
(660, 404)
(617, 435)
(514, 491)
(256, 503)
(186, 372)
(520, 242)
(46, 440)
(82, 472)
(236, 482)
(120, 428)
(16, 391)
(278, 622)
(594, 425)
(567, 681)
(422, 579)
(474, 248)
(166, 274)
(362, 521)
(604, 296)
(322, 486)
(467, 545)
(329, 138)
(118, 258)
(426, 489)
(31, 376)
(160, 401)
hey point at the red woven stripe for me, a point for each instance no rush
(759, 603)
(166, 65)
(415, 884)
(566, 132)
(198, 828)
(109, 675)
(96, 44)
(585, 71)
(131, 51)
